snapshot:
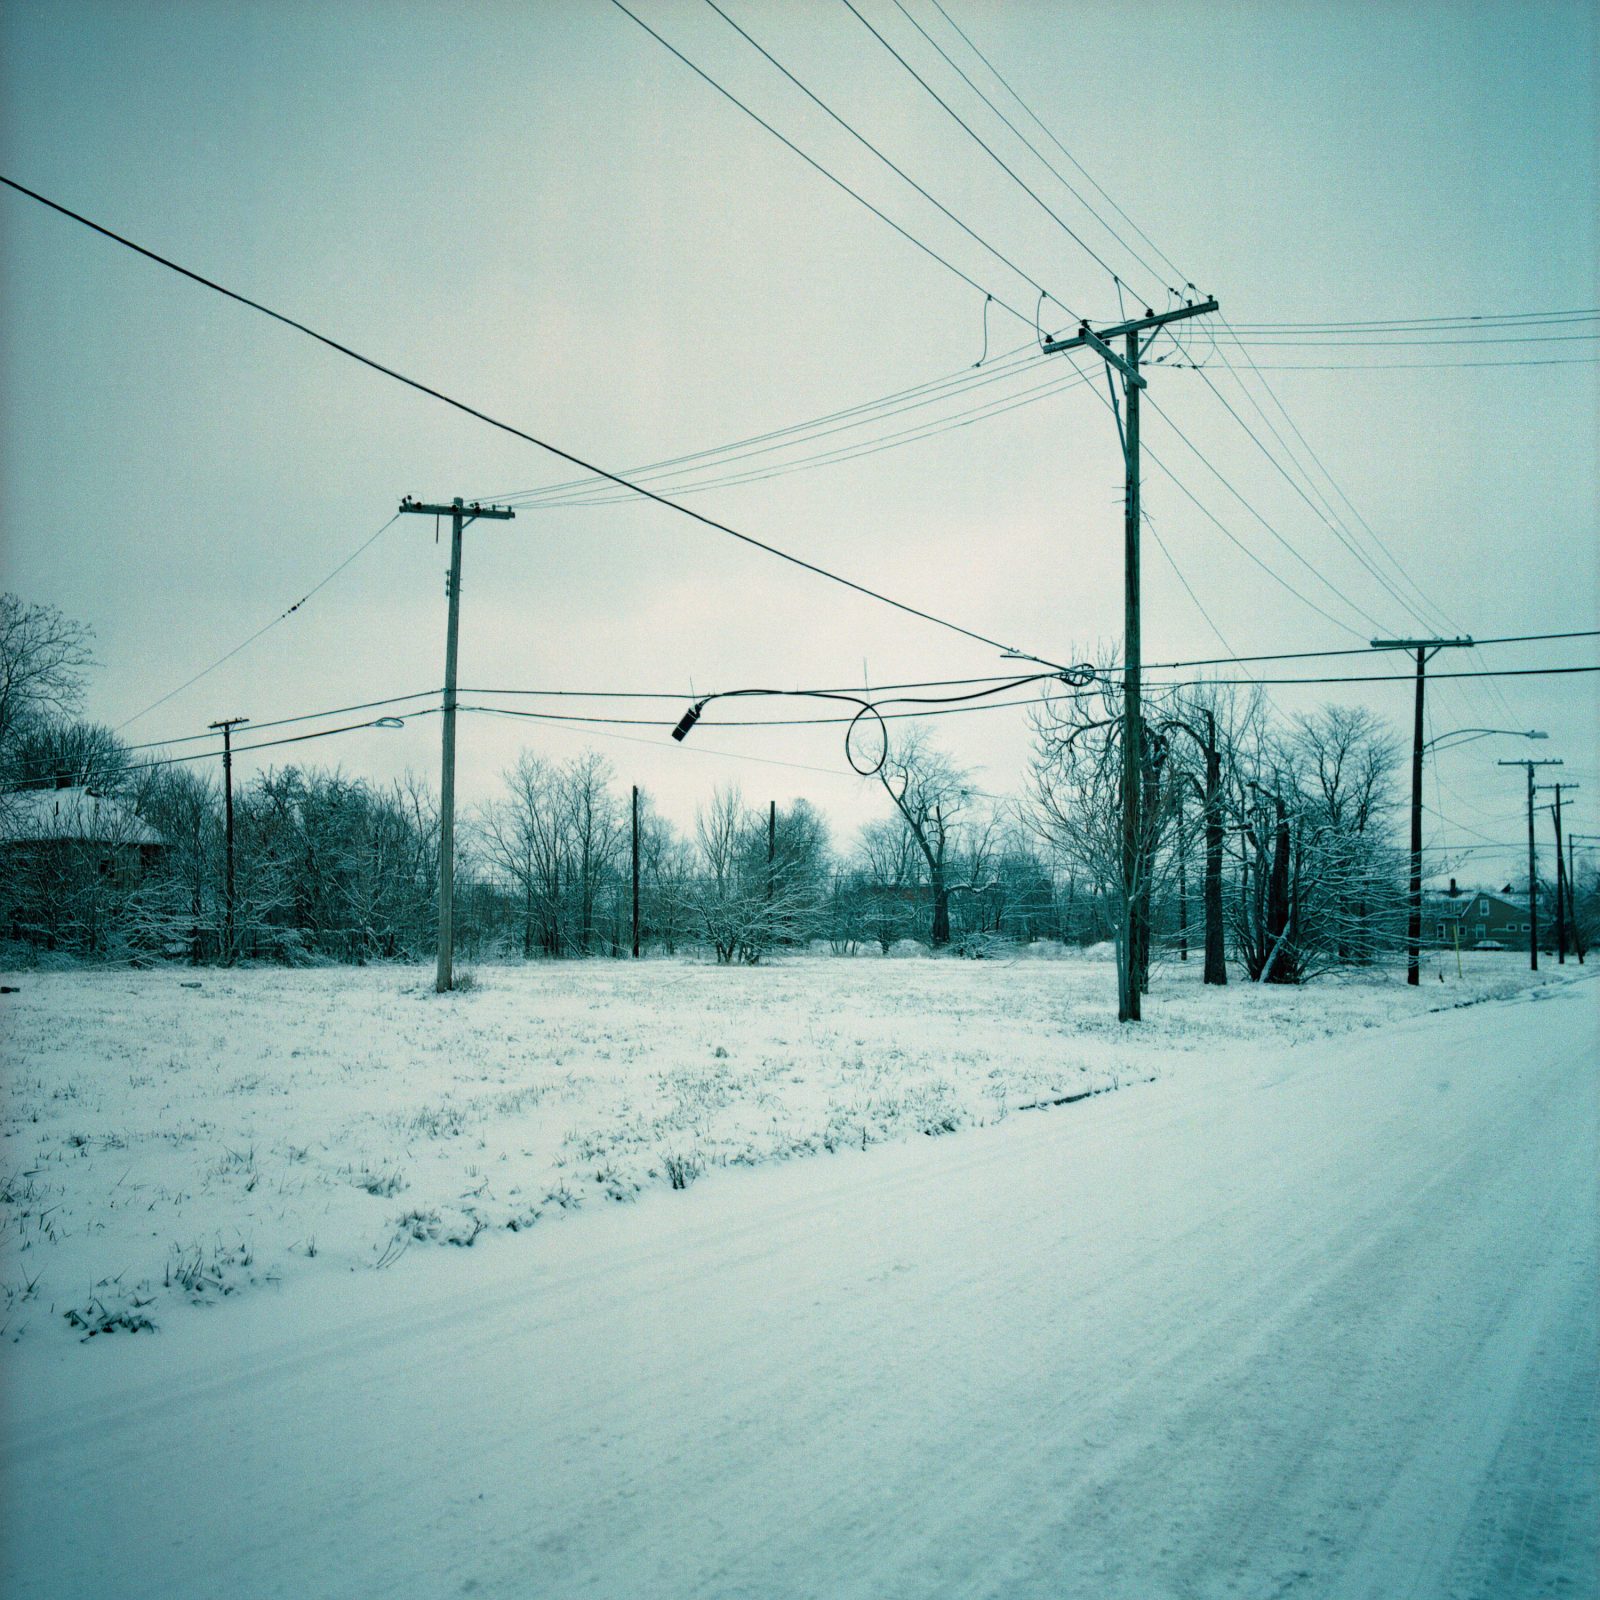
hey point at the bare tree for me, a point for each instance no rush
(887, 877)
(594, 827)
(755, 889)
(1076, 805)
(930, 792)
(43, 659)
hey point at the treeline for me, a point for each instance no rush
(1267, 848)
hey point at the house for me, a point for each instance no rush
(63, 853)
(1468, 918)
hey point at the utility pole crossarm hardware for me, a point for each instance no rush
(1134, 942)
(1150, 319)
(460, 515)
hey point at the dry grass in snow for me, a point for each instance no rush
(171, 1136)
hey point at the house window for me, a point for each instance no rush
(1440, 934)
(1483, 908)
(1483, 930)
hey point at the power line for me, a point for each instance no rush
(977, 139)
(505, 427)
(1323, 516)
(812, 162)
(841, 454)
(867, 411)
(1028, 144)
(1274, 341)
(1485, 672)
(863, 140)
(943, 708)
(1405, 324)
(1239, 544)
(1395, 366)
(1378, 544)
(265, 744)
(283, 722)
(282, 615)
(1182, 277)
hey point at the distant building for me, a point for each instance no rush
(61, 851)
(1467, 918)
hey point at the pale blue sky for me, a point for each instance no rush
(536, 208)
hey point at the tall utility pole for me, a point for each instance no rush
(1425, 649)
(1563, 888)
(228, 724)
(460, 515)
(1135, 876)
(636, 872)
(1572, 888)
(1533, 882)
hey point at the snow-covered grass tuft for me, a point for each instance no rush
(168, 1144)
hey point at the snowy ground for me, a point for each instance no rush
(174, 1137)
(1308, 1307)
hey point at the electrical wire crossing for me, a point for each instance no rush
(466, 409)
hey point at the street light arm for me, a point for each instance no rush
(1473, 734)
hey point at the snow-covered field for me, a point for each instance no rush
(1307, 1307)
(176, 1137)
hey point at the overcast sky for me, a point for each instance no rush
(537, 209)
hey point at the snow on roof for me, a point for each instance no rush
(33, 816)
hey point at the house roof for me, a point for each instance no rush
(37, 816)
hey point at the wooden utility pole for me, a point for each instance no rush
(1135, 848)
(460, 516)
(1533, 881)
(1183, 882)
(228, 724)
(1564, 916)
(1572, 889)
(1425, 649)
(636, 872)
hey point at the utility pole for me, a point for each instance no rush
(1183, 882)
(1563, 888)
(228, 724)
(1533, 881)
(460, 516)
(1572, 887)
(636, 872)
(772, 843)
(1425, 649)
(1135, 877)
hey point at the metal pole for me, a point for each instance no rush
(445, 975)
(636, 872)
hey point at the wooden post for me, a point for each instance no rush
(228, 934)
(460, 515)
(1533, 882)
(636, 872)
(1132, 725)
(1133, 955)
(1414, 889)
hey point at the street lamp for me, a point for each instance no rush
(1481, 733)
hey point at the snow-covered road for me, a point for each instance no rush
(1317, 1324)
